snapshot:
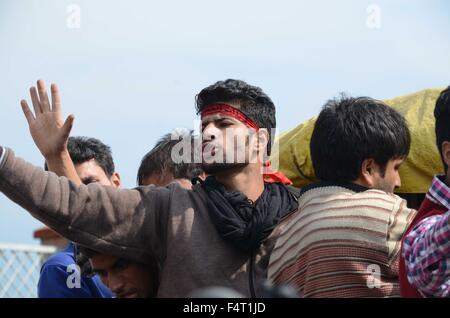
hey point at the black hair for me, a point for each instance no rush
(254, 103)
(350, 130)
(158, 161)
(442, 116)
(82, 149)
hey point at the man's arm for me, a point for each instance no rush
(399, 221)
(426, 249)
(127, 223)
(49, 132)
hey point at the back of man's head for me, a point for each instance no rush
(442, 116)
(82, 149)
(351, 130)
(158, 162)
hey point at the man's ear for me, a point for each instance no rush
(115, 180)
(445, 147)
(263, 139)
(368, 168)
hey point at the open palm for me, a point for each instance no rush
(49, 132)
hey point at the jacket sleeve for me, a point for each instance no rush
(124, 223)
(53, 284)
(399, 221)
(426, 249)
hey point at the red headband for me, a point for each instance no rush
(228, 110)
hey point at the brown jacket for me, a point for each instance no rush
(169, 225)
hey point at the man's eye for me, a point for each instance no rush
(121, 264)
(90, 181)
(224, 124)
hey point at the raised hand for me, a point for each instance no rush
(49, 132)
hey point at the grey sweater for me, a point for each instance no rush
(169, 225)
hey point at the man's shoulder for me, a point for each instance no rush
(428, 208)
(338, 193)
(378, 194)
(62, 258)
(369, 204)
(431, 205)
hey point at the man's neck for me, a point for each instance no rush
(247, 180)
(360, 182)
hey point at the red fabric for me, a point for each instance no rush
(269, 175)
(427, 209)
(228, 110)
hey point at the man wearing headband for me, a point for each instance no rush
(220, 233)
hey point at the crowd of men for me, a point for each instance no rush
(228, 220)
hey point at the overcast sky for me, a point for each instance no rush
(129, 71)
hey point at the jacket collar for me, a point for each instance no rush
(322, 184)
(439, 192)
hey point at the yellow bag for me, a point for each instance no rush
(423, 162)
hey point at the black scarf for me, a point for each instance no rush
(243, 224)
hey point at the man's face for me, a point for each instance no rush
(124, 278)
(90, 172)
(391, 178)
(226, 143)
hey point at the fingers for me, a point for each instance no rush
(43, 97)
(26, 110)
(67, 127)
(35, 101)
(56, 102)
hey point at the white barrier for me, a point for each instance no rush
(19, 269)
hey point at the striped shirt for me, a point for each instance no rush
(426, 247)
(343, 242)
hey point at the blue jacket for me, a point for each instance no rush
(55, 272)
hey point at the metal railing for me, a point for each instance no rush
(19, 269)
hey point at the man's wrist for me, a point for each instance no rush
(57, 159)
(59, 163)
(63, 165)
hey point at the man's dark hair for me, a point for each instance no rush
(158, 161)
(442, 116)
(82, 149)
(351, 130)
(254, 103)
